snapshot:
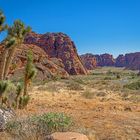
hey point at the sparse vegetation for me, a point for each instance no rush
(133, 85)
(74, 86)
(88, 94)
(38, 126)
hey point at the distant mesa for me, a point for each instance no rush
(129, 61)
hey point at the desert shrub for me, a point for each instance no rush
(74, 86)
(79, 81)
(97, 73)
(134, 98)
(108, 78)
(133, 85)
(39, 126)
(101, 94)
(118, 76)
(88, 94)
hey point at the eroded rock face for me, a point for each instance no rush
(132, 61)
(120, 61)
(46, 67)
(59, 45)
(105, 60)
(91, 61)
(129, 61)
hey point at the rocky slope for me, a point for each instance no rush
(129, 61)
(60, 46)
(47, 67)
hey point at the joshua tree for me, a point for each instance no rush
(2, 21)
(2, 58)
(30, 72)
(18, 94)
(3, 87)
(17, 32)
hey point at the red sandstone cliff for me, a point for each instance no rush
(47, 67)
(91, 61)
(60, 46)
(129, 61)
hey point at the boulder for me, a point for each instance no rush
(68, 136)
(5, 116)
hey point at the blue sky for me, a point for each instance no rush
(96, 26)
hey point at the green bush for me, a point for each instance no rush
(107, 78)
(88, 95)
(74, 86)
(39, 126)
(133, 86)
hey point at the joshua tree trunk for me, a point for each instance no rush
(9, 60)
(25, 85)
(3, 63)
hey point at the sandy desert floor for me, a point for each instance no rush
(97, 108)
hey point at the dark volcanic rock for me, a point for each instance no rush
(60, 46)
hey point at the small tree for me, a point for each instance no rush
(30, 73)
(17, 32)
(3, 87)
(2, 21)
(3, 55)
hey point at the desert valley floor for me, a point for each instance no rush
(101, 104)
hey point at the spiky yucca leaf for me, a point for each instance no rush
(24, 101)
(3, 87)
(32, 74)
(19, 89)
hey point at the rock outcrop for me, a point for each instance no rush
(5, 116)
(60, 46)
(105, 60)
(129, 61)
(91, 61)
(47, 67)
(120, 61)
